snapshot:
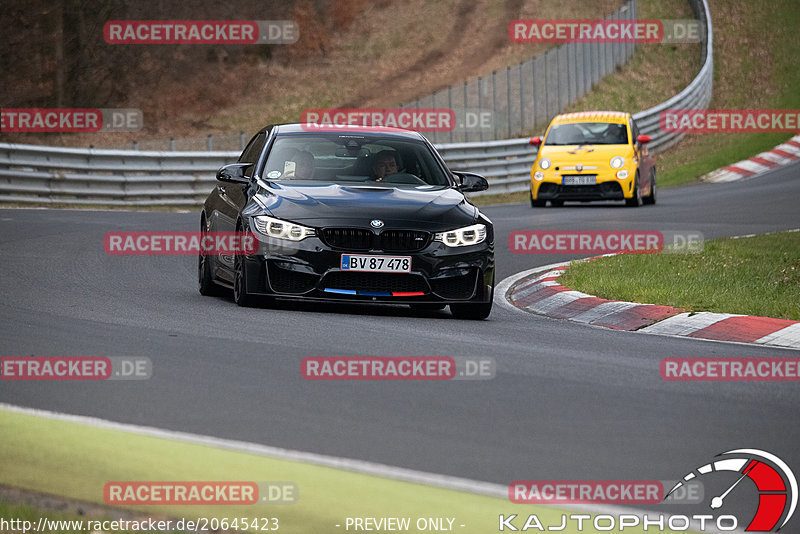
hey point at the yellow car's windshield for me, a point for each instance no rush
(588, 133)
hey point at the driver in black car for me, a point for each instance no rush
(303, 168)
(385, 164)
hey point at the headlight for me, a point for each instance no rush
(462, 237)
(621, 175)
(617, 162)
(539, 175)
(544, 163)
(279, 229)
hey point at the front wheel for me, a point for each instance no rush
(651, 198)
(471, 311)
(240, 295)
(636, 200)
(537, 203)
(475, 311)
(206, 283)
(205, 280)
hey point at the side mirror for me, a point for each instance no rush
(535, 141)
(234, 173)
(471, 182)
(643, 139)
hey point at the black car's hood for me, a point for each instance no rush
(431, 208)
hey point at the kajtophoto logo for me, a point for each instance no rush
(774, 480)
(775, 491)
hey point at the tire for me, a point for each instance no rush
(240, 295)
(636, 200)
(205, 280)
(651, 198)
(556, 203)
(537, 203)
(473, 311)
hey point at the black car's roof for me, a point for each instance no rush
(313, 129)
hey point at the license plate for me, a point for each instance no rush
(580, 180)
(376, 264)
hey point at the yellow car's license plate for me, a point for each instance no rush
(588, 179)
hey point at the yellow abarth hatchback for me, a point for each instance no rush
(593, 155)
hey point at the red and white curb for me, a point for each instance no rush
(779, 156)
(537, 291)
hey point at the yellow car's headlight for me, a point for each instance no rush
(544, 163)
(617, 162)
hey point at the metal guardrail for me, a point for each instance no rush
(32, 174)
(696, 95)
(528, 95)
(76, 176)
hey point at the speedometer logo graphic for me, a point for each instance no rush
(776, 484)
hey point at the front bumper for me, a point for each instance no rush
(310, 269)
(602, 191)
(608, 186)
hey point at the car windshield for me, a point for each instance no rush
(353, 159)
(588, 133)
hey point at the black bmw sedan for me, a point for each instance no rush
(352, 214)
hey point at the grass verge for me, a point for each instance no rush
(75, 460)
(754, 68)
(757, 275)
(500, 198)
